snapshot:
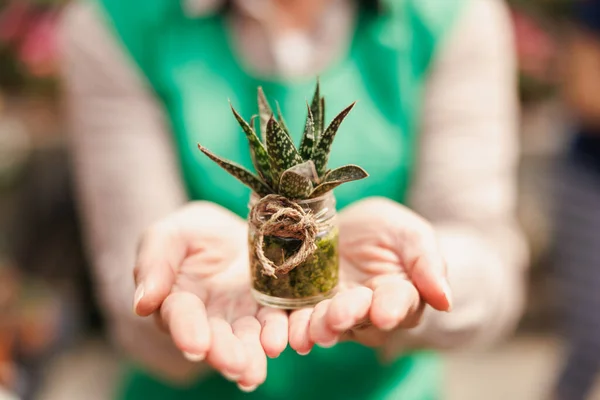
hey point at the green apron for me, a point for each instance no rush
(192, 68)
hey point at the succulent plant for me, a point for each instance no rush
(281, 168)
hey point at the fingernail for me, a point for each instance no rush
(329, 344)
(274, 355)
(447, 293)
(193, 357)
(388, 327)
(231, 377)
(247, 389)
(303, 353)
(139, 293)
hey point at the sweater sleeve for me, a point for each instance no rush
(466, 181)
(126, 175)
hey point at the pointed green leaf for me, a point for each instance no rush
(315, 109)
(346, 173)
(264, 113)
(336, 177)
(308, 138)
(322, 120)
(239, 172)
(282, 121)
(294, 185)
(321, 152)
(281, 149)
(306, 169)
(253, 124)
(259, 155)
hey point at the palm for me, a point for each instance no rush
(366, 253)
(216, 270)
(388, 262)
(368, 259)
(196, 262)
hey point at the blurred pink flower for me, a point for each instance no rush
(14, 19)
(536, 50)
(38, 50)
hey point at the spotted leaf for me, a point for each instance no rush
(281, 121)
(259, 155)
(322, 118)
(317, 112)
(294, 185)
(336, 177)
(282, 152)
(240, 173)
(321, 152)
(308, 138)
(264, 113)
(306, 169)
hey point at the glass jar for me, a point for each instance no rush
(311, 281)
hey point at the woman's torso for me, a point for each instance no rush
(193, 69)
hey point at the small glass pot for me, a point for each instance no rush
(313, 280)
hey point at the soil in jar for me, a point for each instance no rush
(318, 275)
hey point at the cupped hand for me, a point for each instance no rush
(390, 268)
(192, 274)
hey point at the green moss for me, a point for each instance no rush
(316, 276)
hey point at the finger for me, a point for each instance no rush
(185, 316)
(348, 308)
(428, 275)
(395, 302)
(159, 254)
(299, 334)
(318, 328)
(247, 329)
(274, 334)
(227, 354)
(426, 267)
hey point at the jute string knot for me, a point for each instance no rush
(275, 215)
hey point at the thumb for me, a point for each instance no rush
(427, 269)
(159, 255)
(428, 276)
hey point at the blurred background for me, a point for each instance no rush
(51, 335)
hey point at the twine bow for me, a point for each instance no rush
(275, 215)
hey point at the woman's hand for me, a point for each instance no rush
(192, 274)
(390, 268)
